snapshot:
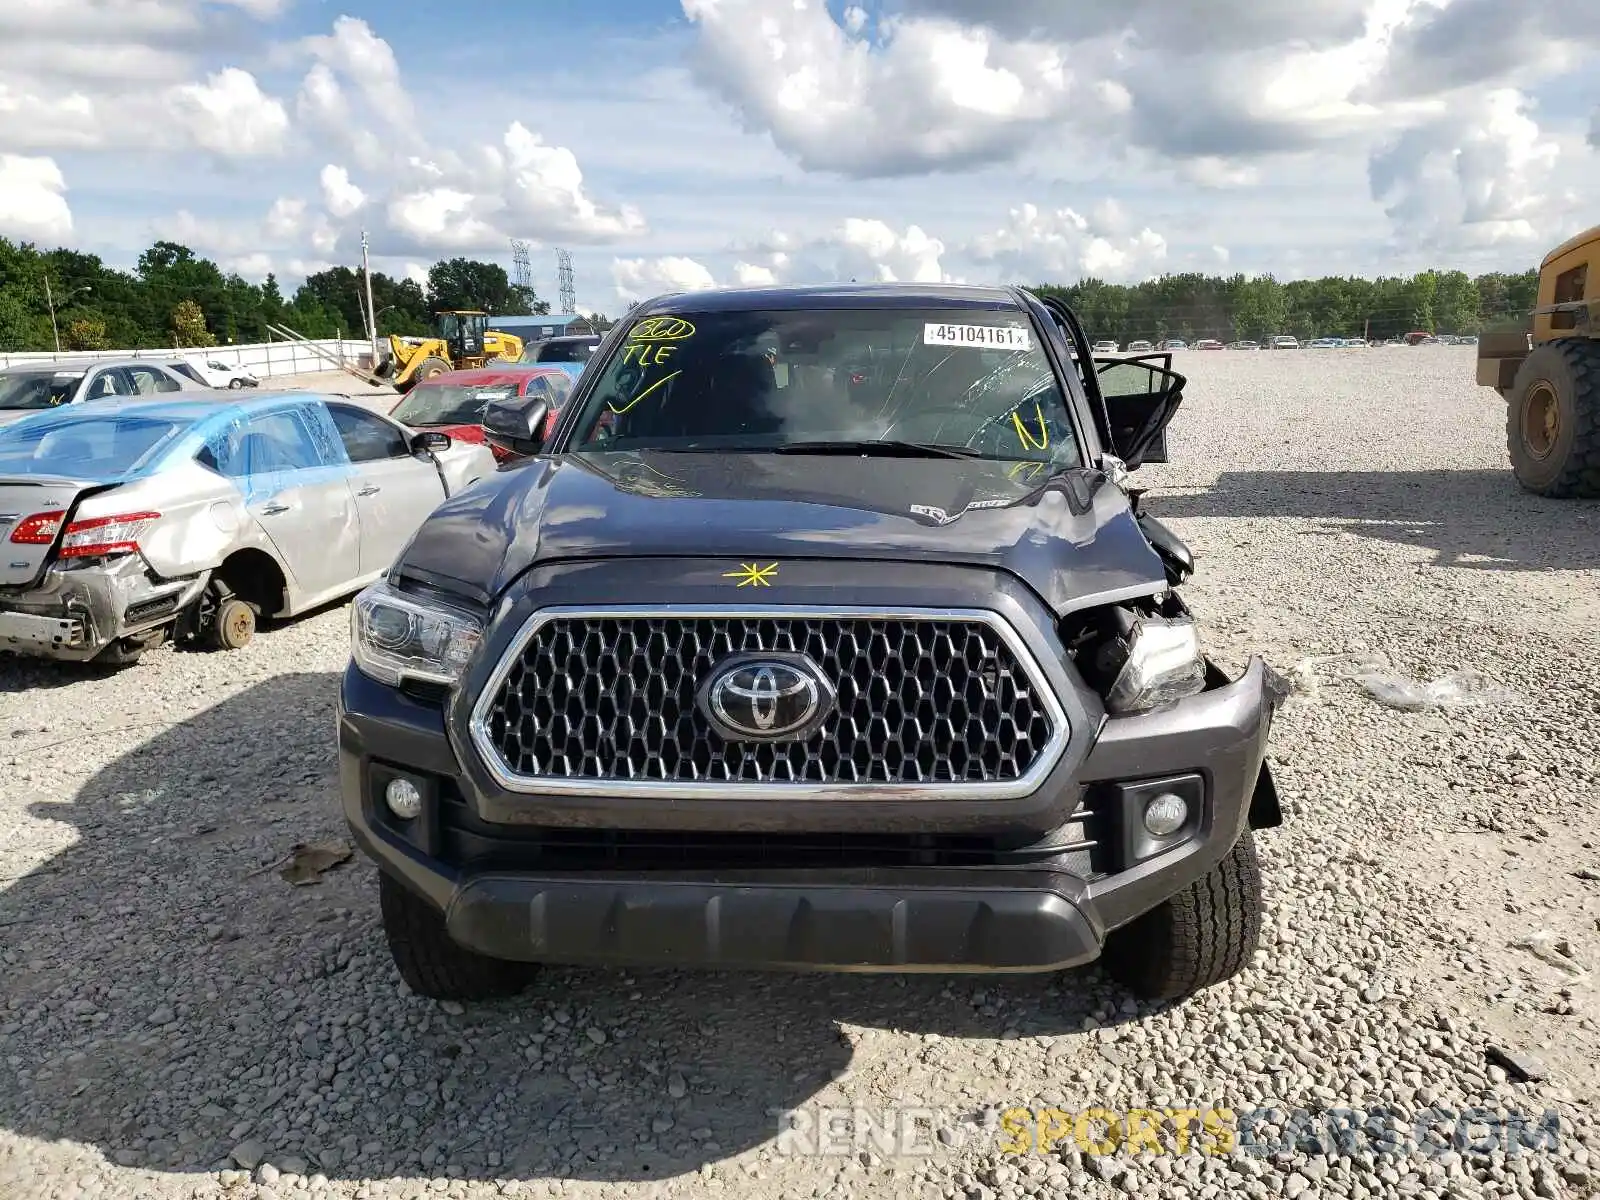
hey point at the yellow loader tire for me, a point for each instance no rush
(1553, 420)
(429, 368)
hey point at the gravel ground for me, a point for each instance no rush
(175, 1021)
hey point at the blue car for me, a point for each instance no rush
(571, 353)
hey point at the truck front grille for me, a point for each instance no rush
(924, 699)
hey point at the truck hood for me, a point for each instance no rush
(1072, 540)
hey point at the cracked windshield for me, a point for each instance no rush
(968, 383)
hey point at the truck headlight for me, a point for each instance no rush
(395, 637)
(1164, 664)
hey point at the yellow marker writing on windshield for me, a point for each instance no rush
(643, 394)
(1029, 442)
(646, 354)
(1027, 470)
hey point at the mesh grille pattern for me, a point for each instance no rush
(919, 701)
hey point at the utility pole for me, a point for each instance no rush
(372, 314)
(50, 300)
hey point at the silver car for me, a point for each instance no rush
(38, 386)
(126, 522)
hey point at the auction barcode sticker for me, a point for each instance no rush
(984, 337)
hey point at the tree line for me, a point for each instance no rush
(174, 297)
(1238, 307)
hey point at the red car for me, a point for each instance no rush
(453, 403)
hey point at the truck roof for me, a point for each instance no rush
(838, 295)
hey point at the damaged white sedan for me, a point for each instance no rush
(127, 522)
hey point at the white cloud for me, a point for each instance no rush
(542, 187)
(920, 94)
(1035, 245)
(1211, 171)
(358, 54)
(440, 218)
(642, 278)
(459, 199)
(1476, 175)
(867, 250)
(1594, 128)
(230, 115)
(341, 197)
(33, 200)
(889, 256)
(754, 275)
(285, 219)
(132, 75)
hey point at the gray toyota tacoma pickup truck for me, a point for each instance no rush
(822, 632)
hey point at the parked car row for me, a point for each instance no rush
(1284, 341)
(33, 386)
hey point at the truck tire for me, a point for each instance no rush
(430, 962)
(1553, 420)
(1202, 936)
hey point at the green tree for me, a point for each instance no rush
(16, 323)
(86, 333)
(189, 325)
(465, 283)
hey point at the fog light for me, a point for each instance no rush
(404, 799)
(1163, 816)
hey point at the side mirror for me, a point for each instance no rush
(1174, 552)
(430, 441)
(517, 424)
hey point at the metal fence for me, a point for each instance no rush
(264, 359)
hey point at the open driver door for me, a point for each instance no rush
(1142, 394)
(1134, 397)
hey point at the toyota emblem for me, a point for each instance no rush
(767, 697)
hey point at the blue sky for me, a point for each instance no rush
(674, 143)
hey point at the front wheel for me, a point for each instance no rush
(430, 961)
(1202, 936)
(235, 384)
(1553, 420)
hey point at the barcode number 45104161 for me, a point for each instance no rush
(987, 337)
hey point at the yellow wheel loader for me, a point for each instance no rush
(1550, 377)
(461, 340)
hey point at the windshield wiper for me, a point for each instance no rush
(879, 449)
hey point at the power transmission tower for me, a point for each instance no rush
(569, 289)
(521, 263)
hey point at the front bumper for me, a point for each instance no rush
(1025, 908)
(73, 614)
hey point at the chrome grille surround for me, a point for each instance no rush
(1046, 738)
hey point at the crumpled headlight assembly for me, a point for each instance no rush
(396, 637)
(1164, 664)
(1138, 658)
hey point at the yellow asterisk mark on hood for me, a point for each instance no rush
(753, 574)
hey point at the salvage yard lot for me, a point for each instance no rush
(166, 1004)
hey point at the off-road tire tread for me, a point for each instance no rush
(1579, 478)
(430, 962)
(1203, 935)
